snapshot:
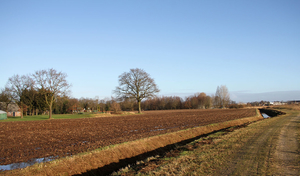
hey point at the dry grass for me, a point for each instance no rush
(206, 159)
(84, 162)
(295, 107)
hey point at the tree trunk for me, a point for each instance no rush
(139, 102)
(7, 107)
(21, 109)
(50, 112)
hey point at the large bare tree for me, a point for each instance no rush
(54, 83)
(136, 84)
(222, 97)
(17, 85)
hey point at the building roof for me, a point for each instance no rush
(12, 107)
(2, 112)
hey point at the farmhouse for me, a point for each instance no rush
(12, 109)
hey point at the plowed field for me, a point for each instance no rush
(22, 141)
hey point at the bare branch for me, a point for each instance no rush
(222, 96)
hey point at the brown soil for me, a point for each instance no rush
(22, 141)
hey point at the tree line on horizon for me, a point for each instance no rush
(47, 91)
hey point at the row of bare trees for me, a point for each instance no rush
(33, 101)
(39, 90)
(196, 101)
(47, 90)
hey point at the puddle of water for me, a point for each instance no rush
(46, 159)
(158, 130)
(265, 115)
(30, 162)
(25, 164)
(132, 131)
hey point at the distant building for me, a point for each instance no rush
(277, 103)
(12, 109)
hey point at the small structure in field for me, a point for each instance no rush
(13, 110)
(3, 115)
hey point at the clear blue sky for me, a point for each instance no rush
(252, 47)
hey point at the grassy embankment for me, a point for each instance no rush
(91, 161)
(198, 159)
(61, 116)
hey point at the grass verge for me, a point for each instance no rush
(63, 116)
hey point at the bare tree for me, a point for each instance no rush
(102, 105)
(136, 84)
(5, 98)
(94, 104)
(85, 103)
(208, 102)
(73, 105)
(127, 104)
(115, 107)
(222, 97)
(17, 85)
(54, 83)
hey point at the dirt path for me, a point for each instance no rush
(273, 150)
(288, 149)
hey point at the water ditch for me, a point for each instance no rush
(265, 115)
(108, 169)
(158, 153)
(269, 113)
